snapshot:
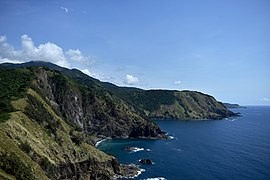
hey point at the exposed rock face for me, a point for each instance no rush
(36, 143)
(46, 132)
(96, 113)
(49, 132)
(47, 147)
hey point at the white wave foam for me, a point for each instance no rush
(136, 175)
(171, 137)
(156, 178)
(139, 172)
(98, 142)
(137, 149)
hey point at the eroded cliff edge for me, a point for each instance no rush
(49, 124)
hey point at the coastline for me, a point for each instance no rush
(131, 171)
(100, 140)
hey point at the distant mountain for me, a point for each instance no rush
(50, 118)
(229, 105)
(171, 104)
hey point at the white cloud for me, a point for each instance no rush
(76, 55)
(265, 99)
(177, 82)
(131, 80)
(48, 52)
(3, 39)
(65, 9)
(87, 72)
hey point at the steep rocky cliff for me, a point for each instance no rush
(51, 116)
(49, 123)
(95, 112)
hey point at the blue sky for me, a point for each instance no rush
(217, 47)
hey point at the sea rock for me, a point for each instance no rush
(128, 171)
(146, 161)
(128, 148)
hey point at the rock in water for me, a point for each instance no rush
(146, 161)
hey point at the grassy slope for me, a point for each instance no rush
(151, 103)
(171, 104)
(28, 147)
(20, 129)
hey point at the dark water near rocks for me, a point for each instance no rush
(234, 148)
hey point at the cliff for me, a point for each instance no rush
(48, 125)
(51, 116)
(149, 103)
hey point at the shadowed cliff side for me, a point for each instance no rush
(40, 139)
(94, 112)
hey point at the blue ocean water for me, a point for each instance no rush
(233, 148)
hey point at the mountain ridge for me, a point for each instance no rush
(182, 105)
(50, 118)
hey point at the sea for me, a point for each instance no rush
(232, 148)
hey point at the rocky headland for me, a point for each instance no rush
(52, 117)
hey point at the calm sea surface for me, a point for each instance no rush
(234, 148)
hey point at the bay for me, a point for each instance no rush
(233, 148)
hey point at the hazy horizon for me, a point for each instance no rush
(216, 47)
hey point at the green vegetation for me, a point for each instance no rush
(12, 164)
(35, 141)
(149, 104)
(24, 146)
(171, 104)
(45, 114)
(13, 85)
(229, 105)
(4, 117)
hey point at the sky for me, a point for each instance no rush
(218, 47)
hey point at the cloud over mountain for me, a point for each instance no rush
(131, 80)
(48, 51)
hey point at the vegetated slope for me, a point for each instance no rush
(150, 103)
(44, 119)
(171, 103)
(83, 101)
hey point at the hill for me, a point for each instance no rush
(229, 105)
(50, 118)
(171, 104)
(162, 104)
(49, 124)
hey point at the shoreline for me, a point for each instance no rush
(100, 140)
(132, 171)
